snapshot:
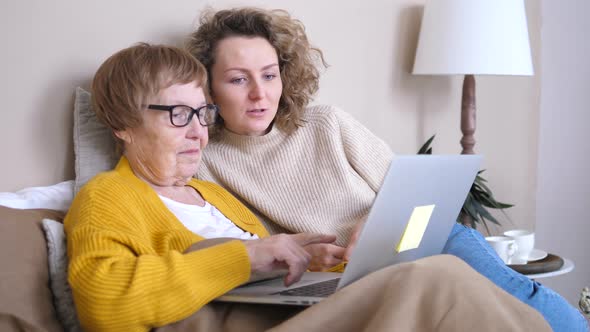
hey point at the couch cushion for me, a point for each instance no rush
(25, 300)
(94, 146)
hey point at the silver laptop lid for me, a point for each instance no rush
(429, 190)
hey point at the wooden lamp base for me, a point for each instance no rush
(468, 115)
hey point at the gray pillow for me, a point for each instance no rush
(58, 275)
(94, 145)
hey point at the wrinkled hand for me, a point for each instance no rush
(354, 237)
(282, 252)
(324, 255)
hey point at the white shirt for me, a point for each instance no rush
(206, 221)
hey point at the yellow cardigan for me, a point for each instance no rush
(127, 268)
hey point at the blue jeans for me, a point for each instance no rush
(469, 245)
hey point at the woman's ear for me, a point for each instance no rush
(124, 135)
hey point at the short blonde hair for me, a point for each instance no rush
(299, 62)
(125, 82)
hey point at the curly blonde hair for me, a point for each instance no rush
(299, 62)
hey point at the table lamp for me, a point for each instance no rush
(473, 37)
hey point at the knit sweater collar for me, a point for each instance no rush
(275, 134)
(212, 193)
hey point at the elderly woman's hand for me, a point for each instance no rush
(282, 253)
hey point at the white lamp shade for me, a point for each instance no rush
(474, 37)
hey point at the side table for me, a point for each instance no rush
(568, 266)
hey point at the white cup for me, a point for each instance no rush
(525, 240)
(504, 246)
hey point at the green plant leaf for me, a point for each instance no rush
(489, 201)
(483, 185)
(485, 214)
(426, 149)
(480, 179)
(469, 206)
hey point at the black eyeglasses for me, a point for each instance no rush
(181, 115)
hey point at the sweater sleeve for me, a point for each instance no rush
(368, 155)
(122, 281)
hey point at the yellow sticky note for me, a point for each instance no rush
(415, 228)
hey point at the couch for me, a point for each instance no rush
(26, 302)
(34, 293)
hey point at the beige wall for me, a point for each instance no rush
(563, 192)
(51, 47)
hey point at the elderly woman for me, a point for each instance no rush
(304, 168)
(151, 247)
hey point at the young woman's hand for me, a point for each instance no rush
(354, 236)
(324, 255)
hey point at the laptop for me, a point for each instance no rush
(411, 218)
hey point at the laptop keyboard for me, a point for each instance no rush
(320, 289)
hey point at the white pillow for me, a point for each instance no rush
(56, 197)
(94, 145)
(57, 259)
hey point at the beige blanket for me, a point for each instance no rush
(439, 293)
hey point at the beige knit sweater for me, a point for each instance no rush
(321, 178)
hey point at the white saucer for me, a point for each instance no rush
(517, 261)
(537, 254)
